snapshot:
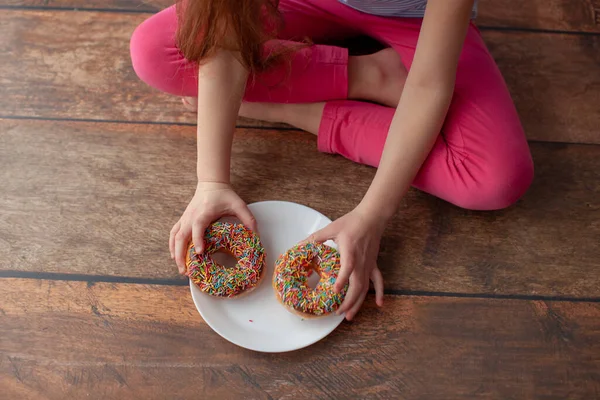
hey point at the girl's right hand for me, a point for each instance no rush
(211, 201)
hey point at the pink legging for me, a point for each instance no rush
(481, 159)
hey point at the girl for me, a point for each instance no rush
(431, 110)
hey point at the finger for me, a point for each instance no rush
(377, 279)
(322, 235)
(172, 234)
(352, 312)
(245, 215)
(347, 266)
(201, 223)
(354, 292)
(198, 228)
(182, 239)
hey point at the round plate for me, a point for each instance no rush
(257, 321)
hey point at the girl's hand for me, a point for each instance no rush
(357, 235)
(211, 201)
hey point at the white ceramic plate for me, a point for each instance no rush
(257, 321)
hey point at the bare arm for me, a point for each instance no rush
(221, 85)
(423, 104)
(414, 129)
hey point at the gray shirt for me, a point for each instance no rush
(394, 8)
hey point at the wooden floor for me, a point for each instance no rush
(95, 167)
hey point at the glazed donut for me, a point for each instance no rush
(290, 280)
(217, 280)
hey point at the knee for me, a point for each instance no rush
(145, 52)
(156, 59)
(501, 186)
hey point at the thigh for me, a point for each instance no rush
(158, 62)
(483, 133)
(481, 159)
(482, 117)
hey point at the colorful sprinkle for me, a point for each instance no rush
(292, 270)
(217, 280)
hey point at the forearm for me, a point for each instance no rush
(414, 129)
(221, 85)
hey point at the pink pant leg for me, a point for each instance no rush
(481, 159)
(314, 73)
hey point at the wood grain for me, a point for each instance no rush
(81, 71)
(116, 5)
(101, 198)
(563, 15)
(555, 82)
(109, 341)
(554, 78)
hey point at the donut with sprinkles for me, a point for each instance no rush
(217, 280)
(290, 280)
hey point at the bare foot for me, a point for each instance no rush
(377, 77)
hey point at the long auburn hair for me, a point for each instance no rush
(242, 26)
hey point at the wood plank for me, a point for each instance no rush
(554, 78)
(562, 15)
(122, 5)
(555, 82)
(69, 74)
(101, 198)
(146, 341)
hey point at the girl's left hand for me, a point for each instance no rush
(357, 235)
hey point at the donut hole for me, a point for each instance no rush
(224, 258)
(314, 275)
